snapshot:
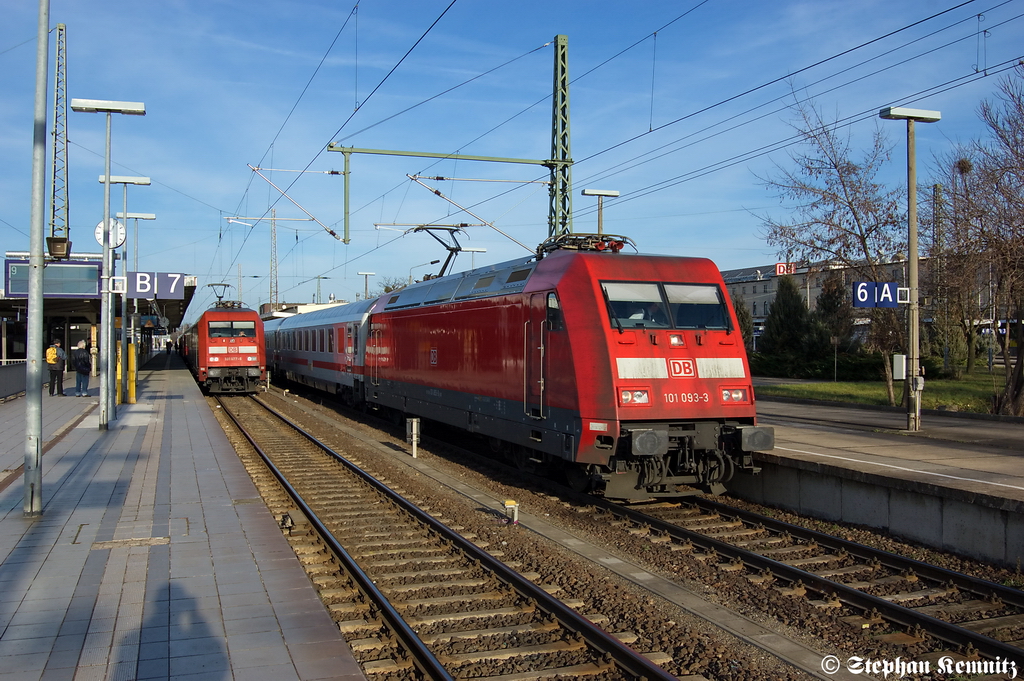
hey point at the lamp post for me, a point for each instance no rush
(472, 258)
(366, 283)
(600, 194)
(108, 411)
(432, 262)
(135, 306)
(122, 387)
(33, 478)
(915, 382)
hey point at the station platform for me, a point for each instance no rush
(957, 484)
(155, 556)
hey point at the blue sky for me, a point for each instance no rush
(671, 103)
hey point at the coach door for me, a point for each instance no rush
(535, 340)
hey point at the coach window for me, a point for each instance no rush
(554, 313)
(330, 341)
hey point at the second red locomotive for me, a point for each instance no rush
(627, 371)
(225, 349)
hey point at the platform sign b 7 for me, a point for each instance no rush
(875, 294)
(163, 285)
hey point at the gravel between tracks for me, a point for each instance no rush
(697, 646)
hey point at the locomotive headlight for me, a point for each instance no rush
(675, 340)
(251, 358)
(735, 395)
(628, 396)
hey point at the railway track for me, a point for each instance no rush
(879, 590)
(414, 598)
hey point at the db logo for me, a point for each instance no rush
(433, 356)
(682, 368)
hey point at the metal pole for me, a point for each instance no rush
(600, 215)
(107, 407)
(123, 387)
(33, 505)
(914, 340)
(135, 316)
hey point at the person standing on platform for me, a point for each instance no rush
(82, 363)
(55, 361)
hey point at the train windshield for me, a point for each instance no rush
(697, 306)
(233, 329)
(665, 306)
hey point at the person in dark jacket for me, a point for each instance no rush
(56, 367)
(82, 363)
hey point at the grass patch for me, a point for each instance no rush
(971, 393)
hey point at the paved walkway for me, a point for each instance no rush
(155, 556)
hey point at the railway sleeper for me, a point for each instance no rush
(418, 548)
(465, 583)
(348, 608)
(500, 654)
(473, 634)
(387, 666)
(994, 623)
(443, 572)
(848, 570)
(882, 581)
(458, 599)
(574, 672)
(923, 594)
(359, 625)
(421, 620)
(972, 607)
(396, 562)
(820, 559)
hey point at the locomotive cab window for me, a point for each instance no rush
(631, 305)
(698, 306)
(232, 329)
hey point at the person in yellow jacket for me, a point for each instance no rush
(56, 361)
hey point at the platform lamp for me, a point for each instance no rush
(600, 194)
(366, 283)
(472, 258)
(432, 262)
(915, 382)
(122, 387)
(108, 411)
(135, 311)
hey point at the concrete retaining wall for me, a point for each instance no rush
(976, 525)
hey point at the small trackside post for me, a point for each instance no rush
(412, 433)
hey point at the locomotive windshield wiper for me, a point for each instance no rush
(611, 312)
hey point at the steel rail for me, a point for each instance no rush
(888, 559)
(421, 654)
(905, 617)
(626, 658)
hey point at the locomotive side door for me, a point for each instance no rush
(535, 341)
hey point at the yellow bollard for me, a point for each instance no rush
(132, 371)
(117, 375)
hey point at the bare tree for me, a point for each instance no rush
(840, 213)
(1002, 203)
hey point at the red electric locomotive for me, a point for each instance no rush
(627, 371)
(225, 349)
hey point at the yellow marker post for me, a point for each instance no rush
(132, 370)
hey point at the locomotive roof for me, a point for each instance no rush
(503, 278)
